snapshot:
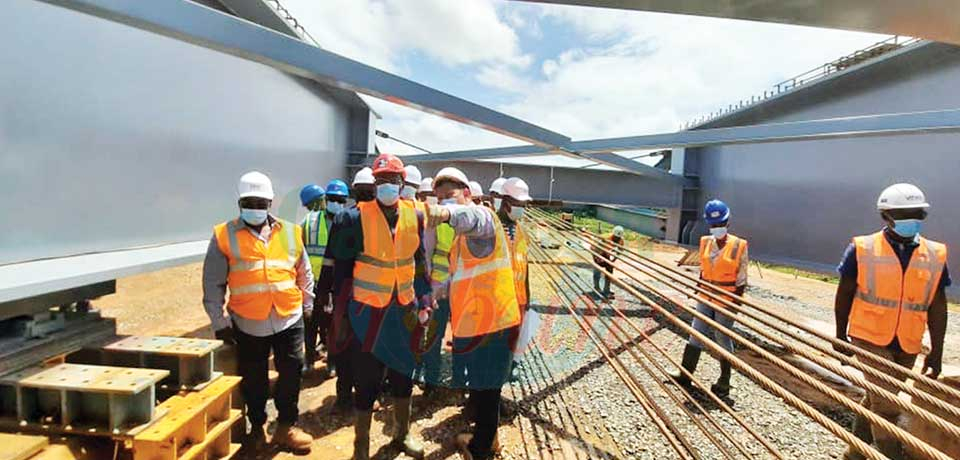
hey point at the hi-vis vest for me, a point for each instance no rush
(386, 263)
(890, 302)
(723, 271)
(315, 231)
(440, 262)
(261, 276)
(518, 254)
(483, 296)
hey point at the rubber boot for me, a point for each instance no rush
(861, 429)
(401, 422)
(722, 387)
(691, 355)
(890, 447)
(361, 434)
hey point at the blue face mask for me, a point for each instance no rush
(253, 216)
(333, 207)
(907, 228)
(388, 194)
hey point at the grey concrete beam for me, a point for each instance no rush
(932, 19)
(202, 26)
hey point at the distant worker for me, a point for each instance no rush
(495, 188)
(411, 185)
(363, 187)
(485, 315)
(723, 263)
(314, 227)
(425, 192)
(261, 260)
(892, 288)
(516, 195)
(339, 336)
(605, 258)
(378, 246)
(476, 192)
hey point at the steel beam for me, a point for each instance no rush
(202, 26)
(931, 19)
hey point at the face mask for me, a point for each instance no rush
(515, 213)
(408, 192)
(333, 207)
(388, 194)
(907, 228)
(253, 216)
(432, 200)
(718, 232)
(496, 203)
(449, 201)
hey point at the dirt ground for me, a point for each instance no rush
(564, 406)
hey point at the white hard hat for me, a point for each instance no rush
(476, 190)
(451, 173)
(413, 175)
(902, 196)
(256, 184)
(618, 231)
(364, 176)
(517, 189)
(497, 185)
(426, 185)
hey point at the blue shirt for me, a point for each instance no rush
(848, 266)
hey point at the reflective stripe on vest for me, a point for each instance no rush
(386, 263)
(518, 253)
(316, 231)
(483, 296)
(440, 271)
(891, 302)
(722, 272)
(261, 276)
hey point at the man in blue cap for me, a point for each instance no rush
(314, 227)
(723, 263)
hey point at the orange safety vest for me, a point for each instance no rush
(723, 271)
(386, 262)
(890, 302)
(483, 297)
(518, 253)
(261, 276)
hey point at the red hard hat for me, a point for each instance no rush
(387, 163)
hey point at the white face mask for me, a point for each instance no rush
(496, 203)
(449, 201)
(516, 213)
(408, 192)
(719, 232)
(432, 200)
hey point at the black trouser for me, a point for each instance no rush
(317, 325)
(368, 377)
(344, 360)
(253, 354)
(486, 420)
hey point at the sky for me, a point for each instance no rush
(584, 72)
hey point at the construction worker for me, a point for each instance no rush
(378, 245)
(314, 227)
(363, 186)
(411, 185)
(476, 192)
(495, 188)
(892, 288)
(437, 244)
(723, 263)
(339, 336)
(261, 260)
(485, 315)
(425, 192)
(605, 258)
(515, 196)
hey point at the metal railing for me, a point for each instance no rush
(287, 17)
(857, 57)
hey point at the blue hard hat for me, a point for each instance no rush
(716, 212)
(310, 193)
(338, 187)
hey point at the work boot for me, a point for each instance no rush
(290, 437)
(463, 443)
(890, 447)
(722, 388)
(256, 438)
(361, 434)
(861, 429)
(691, 355)
(401, 424)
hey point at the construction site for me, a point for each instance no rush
(122, 137)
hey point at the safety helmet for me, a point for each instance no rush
(902, 196)
(497, 185)
(426, 185)
(309, 193)
(388, 164)
(476, 190)
(255, 184)
(413, 175)
(716, 212)
(516, 188)
(338, 187)
(364, 176)
(451, 173)
(618, 231)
